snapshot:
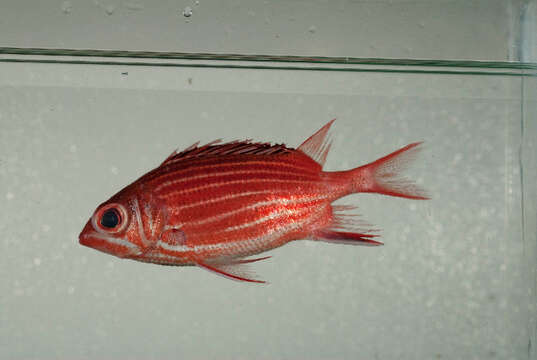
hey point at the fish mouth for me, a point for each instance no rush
(86, 240)
(91, 241)
(117, 246)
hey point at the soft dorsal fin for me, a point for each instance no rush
(318, 144)
(230, 148)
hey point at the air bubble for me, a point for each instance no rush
(67, 7)
(109, 9)
(187, 11)
(134, 5)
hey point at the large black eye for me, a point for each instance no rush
(110, 218)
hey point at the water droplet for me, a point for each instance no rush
(71, 290)
(10, 196)
(67, 7)
(37, 261)
(46, 228)
(72, 148)
(187, 11)
(196, 3)
(312, 29)
(114, 170)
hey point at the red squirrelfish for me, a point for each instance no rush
(215, 205)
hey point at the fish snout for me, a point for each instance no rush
(85, 235)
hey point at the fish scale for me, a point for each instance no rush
(216, 204)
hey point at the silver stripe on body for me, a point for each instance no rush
(257, 205)
(115, 240)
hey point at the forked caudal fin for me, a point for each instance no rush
(382, 176)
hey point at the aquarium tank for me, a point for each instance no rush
(94, 94)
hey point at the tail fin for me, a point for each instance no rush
(383, 175)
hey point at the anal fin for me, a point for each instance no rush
(350, 238)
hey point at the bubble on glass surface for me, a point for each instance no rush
(45, 227)
(10, 196)
(72, 148)
(312, 29)
(18, 291)
(37, 261)
(67, 7)
(187, 11)
(196, 3)
(71, 290)
(114, 170)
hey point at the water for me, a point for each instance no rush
(455, 280)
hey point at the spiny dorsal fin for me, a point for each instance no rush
(318, 144)
(213, 148)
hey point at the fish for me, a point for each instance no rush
(215, 205)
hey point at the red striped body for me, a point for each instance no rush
(243, 204)
(214, 205)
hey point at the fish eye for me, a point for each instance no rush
(110, 218)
